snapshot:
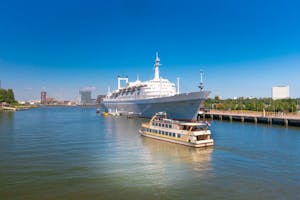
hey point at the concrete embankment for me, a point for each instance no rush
(16, 108)
(254, 117)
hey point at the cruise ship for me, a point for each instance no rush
(145, 98)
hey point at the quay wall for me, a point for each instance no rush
(284, 120)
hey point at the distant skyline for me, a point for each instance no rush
(243, 47)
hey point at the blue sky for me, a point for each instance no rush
(244, 47)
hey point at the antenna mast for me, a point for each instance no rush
(157, 64)
(201, 86)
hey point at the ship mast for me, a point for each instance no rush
(157, 64)
(201, 86)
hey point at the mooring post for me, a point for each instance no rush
(286, 122)
(270, 120)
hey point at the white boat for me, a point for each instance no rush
(149, 97)
(194, 134)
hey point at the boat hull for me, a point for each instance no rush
(182, 107)
(205, 143)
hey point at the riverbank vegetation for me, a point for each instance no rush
(254, 104)
(7, 96)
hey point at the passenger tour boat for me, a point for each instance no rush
(194, 134)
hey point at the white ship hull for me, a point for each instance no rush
(182, 107)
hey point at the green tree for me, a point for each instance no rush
(2, 95)
(7, 96)
(10, 97)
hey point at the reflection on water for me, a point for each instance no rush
(188, 155)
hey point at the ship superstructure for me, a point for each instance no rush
(148, 97)
(157, 87)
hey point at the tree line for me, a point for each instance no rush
(255, 104)
(7, 96)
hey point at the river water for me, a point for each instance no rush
(73, 153)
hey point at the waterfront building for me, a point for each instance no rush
(280, 92)
(43, 97)
(86, 97)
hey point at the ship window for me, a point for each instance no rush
(170, 126)
(178, 135)
(163, 125)
(159, 132)
(173, 134)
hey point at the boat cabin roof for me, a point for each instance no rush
(192, 124)
(164, 120)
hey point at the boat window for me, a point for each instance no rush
(173, 134)
(178, 135)
(170, 126)
(159, 132)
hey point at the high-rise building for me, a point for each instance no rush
(280, 92)
(86, 97)
(43, 97)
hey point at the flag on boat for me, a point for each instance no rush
(207, 123)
